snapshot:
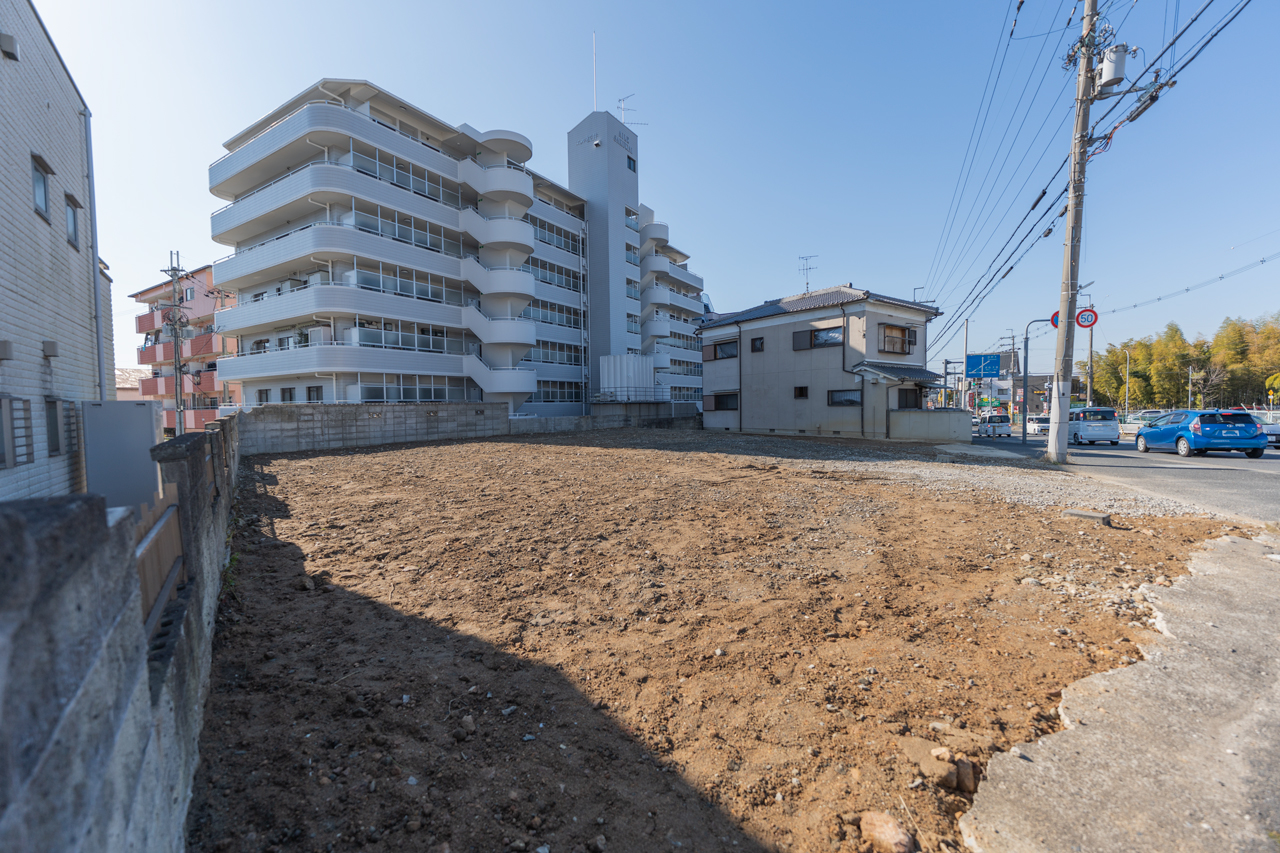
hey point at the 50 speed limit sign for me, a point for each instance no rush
(1086, 318)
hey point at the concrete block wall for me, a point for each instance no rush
(304, 427)
(99, 724)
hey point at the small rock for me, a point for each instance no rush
(719, 652)
(507, 712)
(885, 834)
(965, 776)
(469, 724)
(942, 754)
(412, 780)
(1026, 558)
(373, 785)
(1031, 582)
(306, 584)
(597, 844)
(413, 825)
(528, 738)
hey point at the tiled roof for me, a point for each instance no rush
(824, 298)
(899, 371)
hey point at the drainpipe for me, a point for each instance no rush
(93, 259)
(323, 148)
(741, 397)
(334, 377)
(320, 261)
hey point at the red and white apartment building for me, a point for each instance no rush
(199, 348)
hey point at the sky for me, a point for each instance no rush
(766, 132)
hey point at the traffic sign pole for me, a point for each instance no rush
(1026, 358)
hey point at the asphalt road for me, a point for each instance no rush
(1222, 482)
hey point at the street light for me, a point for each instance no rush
(1026, 357)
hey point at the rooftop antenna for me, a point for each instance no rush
(622, 107)
(805, 267)
(594, 105)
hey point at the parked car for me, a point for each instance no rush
(994, 425)
(1270, 429)
(1146, 416)
(975, 420)
(1038, 425)
(1192, 431)
(1093, 425)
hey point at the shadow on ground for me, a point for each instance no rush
(337, 722)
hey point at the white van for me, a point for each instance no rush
(994, 425)
(1092, 425)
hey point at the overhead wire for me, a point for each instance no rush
(962, 175)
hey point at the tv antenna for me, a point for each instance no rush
(622, 107)
(805, 268)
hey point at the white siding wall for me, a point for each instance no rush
(45, 285)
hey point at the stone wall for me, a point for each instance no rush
(99, 724)
(305, 427)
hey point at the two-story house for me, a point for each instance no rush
(838, 361)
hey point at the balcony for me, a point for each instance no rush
(655, 232)
(162, 386)
(688, 303)
(499, 330)
(498, 232)
(276, 148)
(655, 328)
(148, 322)
(655, 265)
(277, 258)
(501, 380)
(498, 281)
(201, 346)
(682, 274)
(162, 352)
(655, 296)
(499, 182)
(373, 294)
(335, 357)
(192, 419)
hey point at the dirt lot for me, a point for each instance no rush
(645, 641)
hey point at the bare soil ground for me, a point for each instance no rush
(634, 640)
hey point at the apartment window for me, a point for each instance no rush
(633, 323)
(802, 392)
(73, 231)
(264, 395)
(554, 235)
(631, 163)
(725, 402)
(899, 339)
(40, 173)
(554, 313)
(909, 398)
(851, 397)
(286, 395)
(757, 344)
(188, 294)
(285, 342)
(553, 274)
(558, 392)
(633, 255)
(726, 349)
(550, 352)
(816, 338)
(315, 393)
(633, 289)
(17, 442)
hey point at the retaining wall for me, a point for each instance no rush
(99, 724)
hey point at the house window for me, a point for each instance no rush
(815, 338)
(802, 392)
(852, 397)
(315, 393)
(908, 398)
(53, 426)
(188, 294)
(73, 232)
(728, 349)
(726, 402)
(757, 344)
(286, 395)
(899, 339)
(40, 173)
(284, 343)
(631, 163)
(264, 395)
(260, 345)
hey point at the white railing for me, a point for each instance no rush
(452, 346)
(436, 245)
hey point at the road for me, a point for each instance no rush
(1223, 482)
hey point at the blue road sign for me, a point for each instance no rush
(982, 365)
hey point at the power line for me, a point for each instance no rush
(987, 89)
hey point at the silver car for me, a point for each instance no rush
(1094, 425)
(1038, 425)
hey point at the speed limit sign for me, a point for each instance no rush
(1086, 318)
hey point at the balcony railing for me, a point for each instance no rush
(335, 224)
(633, 224)
(409, 182)
(374, 224)
(377, 338)
(633, 258)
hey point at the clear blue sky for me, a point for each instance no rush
(773, 131)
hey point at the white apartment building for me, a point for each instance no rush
(55, 300)
(382, 254)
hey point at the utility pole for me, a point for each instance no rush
(1064, 351)
(964, 370)
(1126, 385)
(176, 320)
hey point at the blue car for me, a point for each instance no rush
(1189, 431)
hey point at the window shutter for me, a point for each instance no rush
(708, 352)
(801, 340)
(911, 337)
(708, 403)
